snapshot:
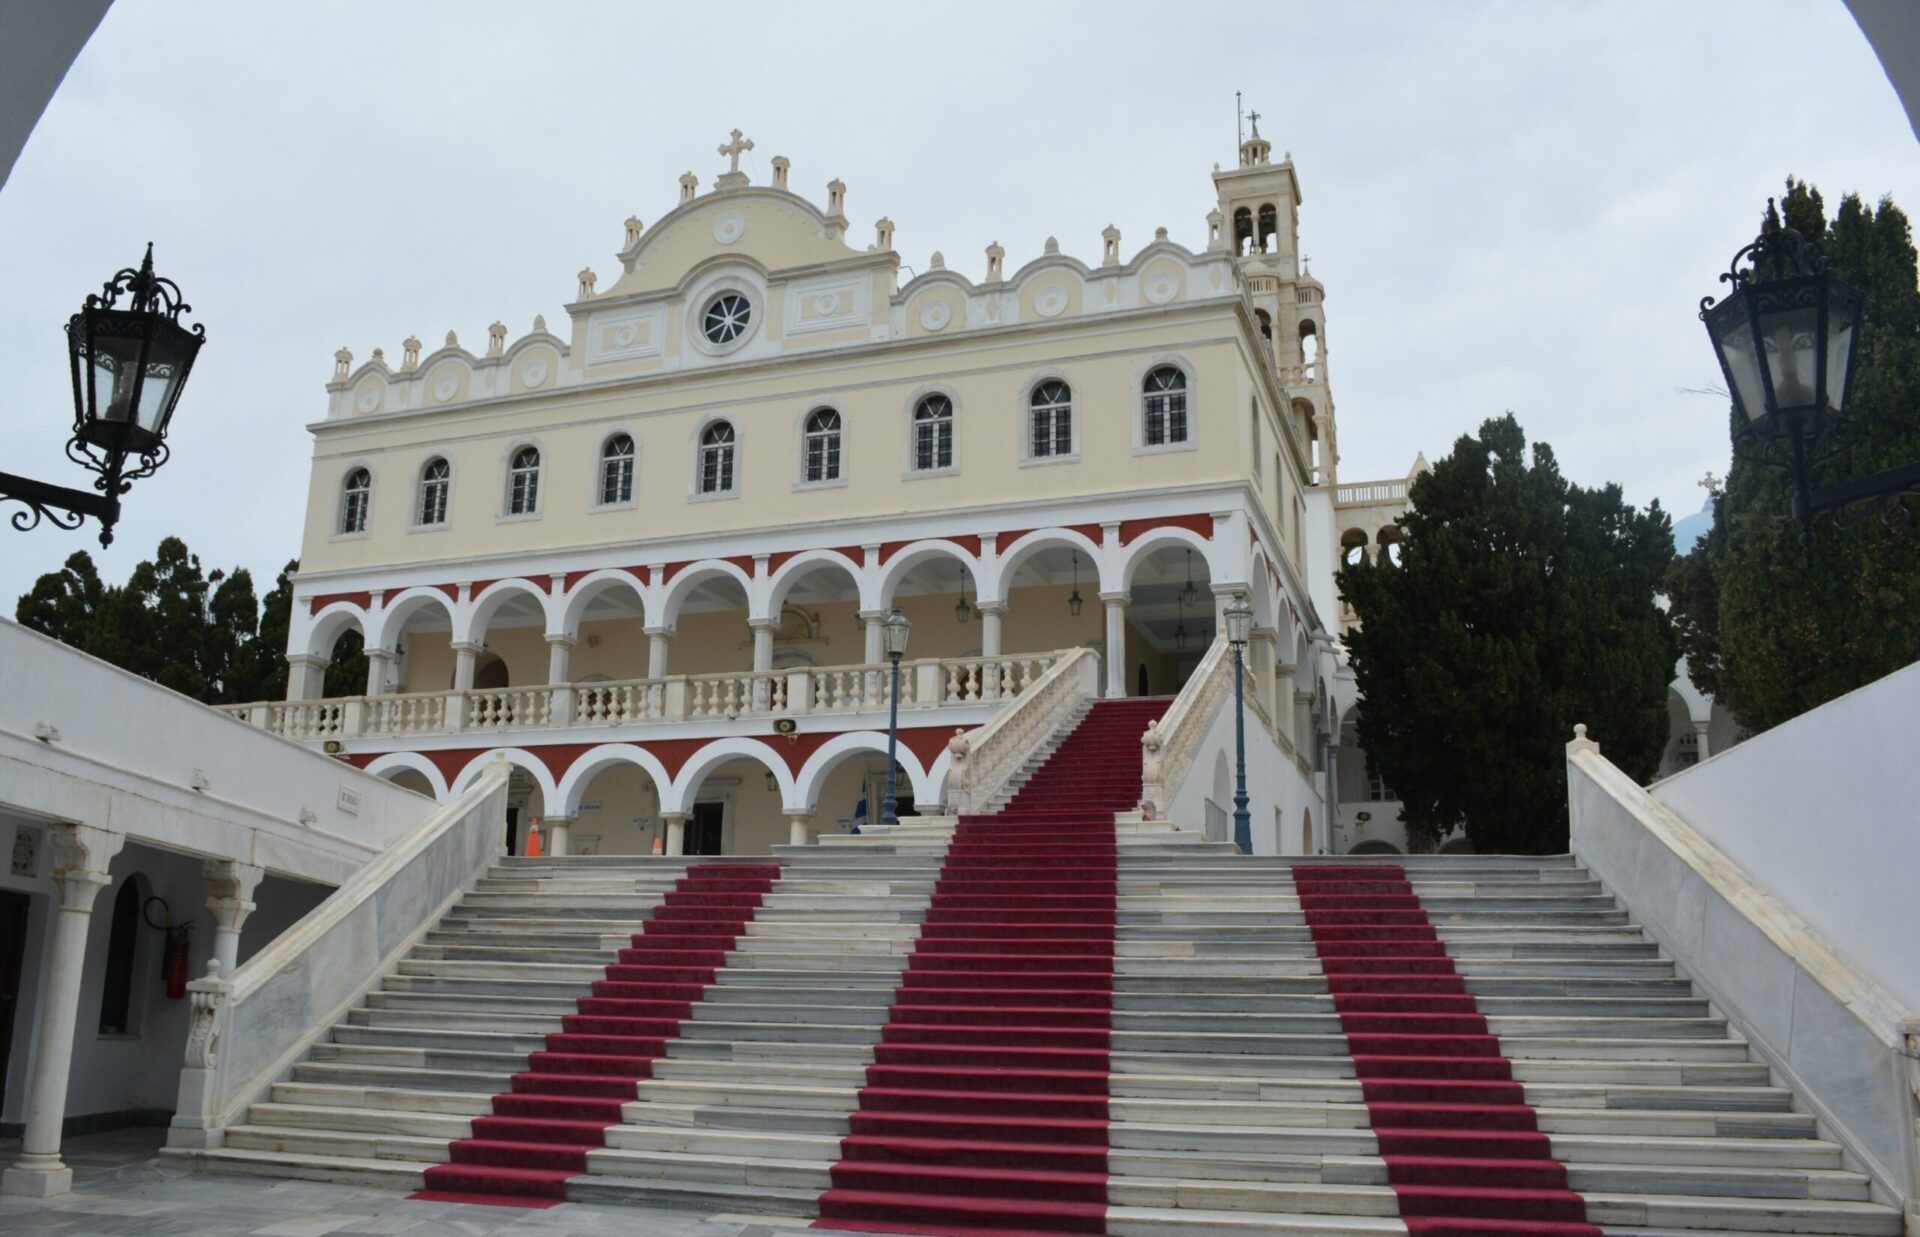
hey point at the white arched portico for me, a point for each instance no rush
(779, 585)
(307, 670)
(674, 596)
(396, 762)
(519, 758)
(813, 774)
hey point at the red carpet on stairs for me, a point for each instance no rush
(986, 1104)
(569, 1094)
(1464, 1151)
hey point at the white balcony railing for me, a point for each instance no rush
(1372, 492)
(924, 684)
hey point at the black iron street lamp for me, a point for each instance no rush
(894, 634)
(1786, 337)
(1239, 627)
(129, 366)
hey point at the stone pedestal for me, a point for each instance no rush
(676, 833)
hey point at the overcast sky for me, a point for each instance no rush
(1513, 206)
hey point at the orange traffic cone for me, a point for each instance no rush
(533, 840)
(658, 848)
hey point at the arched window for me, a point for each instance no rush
(716, 458)
(1253, 413)
(1052, 419)
(820, 459)
(523, 482)
(933, 433)
(1269, 227)
(1165, 406)
(353, 501)
(435, 480)
(123, 936)
(616, 470)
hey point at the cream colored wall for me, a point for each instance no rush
(1104, 361)
(621, 810)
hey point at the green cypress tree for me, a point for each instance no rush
(1772, 628)
(1521, 605)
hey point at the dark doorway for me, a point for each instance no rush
(513, 825)
(703, 829)
(123, 938)
(1140, 681)
(13, 951)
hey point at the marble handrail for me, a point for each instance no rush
(985, 759)
(248, 1028)
(925, 683)
(1168, 746)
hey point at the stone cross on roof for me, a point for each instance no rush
(1253, 118)
(734, 149)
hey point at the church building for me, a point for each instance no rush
(648, 555)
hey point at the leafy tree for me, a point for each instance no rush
(203, 634)
(1521, 605)
(1772, 629)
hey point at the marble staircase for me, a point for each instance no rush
(1233, 1102)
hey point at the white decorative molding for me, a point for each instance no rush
(445, 387)
(729, 226)
(627, 335)
(1051, 301)
(832, 304)
(935, 315)
(1162, 286)
(369, 397)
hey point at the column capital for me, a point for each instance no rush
(82, 855)
(465, 646)
(563, 639)
(987, 607)
(874, 616)
(661, 631)
(380, 654)
(308, 661)
(230, 886)
(557, 820)
(1115, 599)
(764, 624)
(1229, 589)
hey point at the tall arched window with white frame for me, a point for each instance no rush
(716, 458)
(356, 491)
(1164, 406)
(933, 434)
(1051, 419)
(523, 482)
(436, 479)
(616, 470)
(820, 455)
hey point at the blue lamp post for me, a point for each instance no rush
(1239, 626)
(894, 634)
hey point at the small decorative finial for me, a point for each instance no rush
(1253, 118)
(836, 197)
(689, 185)
(780, 165)
(633, 231)
(938, 262)
(379, 356)
(587, 280)
(1110, 246)
(996, 258)
(453, 340)
(1159, 234)
(1052, 245)
(496, 338)
(540, 322)
(410, 353)
(341, 361)
(883, 233)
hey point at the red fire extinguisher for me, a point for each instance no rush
(173, 961)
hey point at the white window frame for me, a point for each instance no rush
(601, 461)
(838, 449)
(340, 530)
(420, 495)
(1192, 442)
(507, 514)
(1028, 413)
(952, 466)
(696, 492)
(733, 283)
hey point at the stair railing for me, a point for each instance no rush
(985, 759)
(1167, 748)
(248, 1028)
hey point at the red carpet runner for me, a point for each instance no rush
(986, 1105)
(1464, 1152)
(541, 1131)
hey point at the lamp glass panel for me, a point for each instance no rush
(895, 631)
(1791, 333)
(1733, 336)
(167, 361)
(115, 357)
(1843, 319)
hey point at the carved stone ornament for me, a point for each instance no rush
(203, 1036)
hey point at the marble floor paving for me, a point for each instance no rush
(121, 1188)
